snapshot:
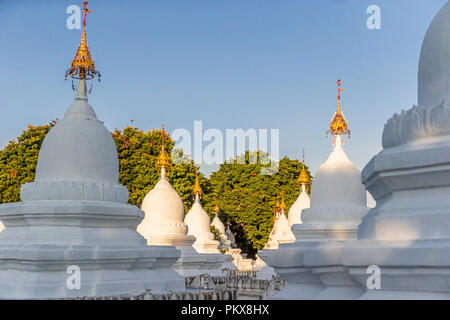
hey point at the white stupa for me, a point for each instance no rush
(338, 202)
(198, 224)
(281, 232)
(73, 234)
(164, 225)
(230, 237)
(407, 234)
(225, 243)
(303, 201)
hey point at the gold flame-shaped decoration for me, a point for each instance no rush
(216, 208)
(197, 189)
(163, 161)
(282, 204)
(303, 178)
(338, 124)
(83, 66)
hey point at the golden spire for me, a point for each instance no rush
(83, 66)
(282, 204)
(303, 178)
(216, 208)
(197, 189)
(275, 212)
(338, 125)
(163, 161)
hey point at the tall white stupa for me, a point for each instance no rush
(407, 234)
(338, 202)
(198, 223)
(164, 225)
(303, 200)
(73, 235)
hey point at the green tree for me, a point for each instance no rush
(18, 161)
(247, 198)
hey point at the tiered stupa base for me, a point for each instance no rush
(409, 270)
(407, 235)
(287, 261)
(312, 265)
(191, 263)
(43, 238)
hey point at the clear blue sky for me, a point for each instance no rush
(231, 63)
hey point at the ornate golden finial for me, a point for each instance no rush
(275, 212)
(83, 66)
(338, 125)
(163, 161)
(282, 204)
(303, 178)
(216, 208)
(197, 189)
(277, 205)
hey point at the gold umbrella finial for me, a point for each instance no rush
(216, 208)
(197, 189)
(83, 67)
(163, 161)
(338, 124)
(303, 177)
(282, 204)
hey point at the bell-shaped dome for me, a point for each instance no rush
(337, 183)
(434, 65)
(230, 236)
(78, 147)
(295, 212)
(197, 221)
(164, 211)
(216, 223)
(281, 230)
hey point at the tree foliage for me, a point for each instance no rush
(18, 161)
(247, 198)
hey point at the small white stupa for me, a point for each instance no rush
(281, 232)
(73, 235)
(225, 243)
(303, 201)
(230, 236)
(198, 223)
(338, 202)
(164, 225)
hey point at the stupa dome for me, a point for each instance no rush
(216, 223)
(337, 183)
(230, 236)
(198, 222)
(69, 152)
(164, 211)
(302, 202)
(282, 230)
(430, 117)
(434, 65)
